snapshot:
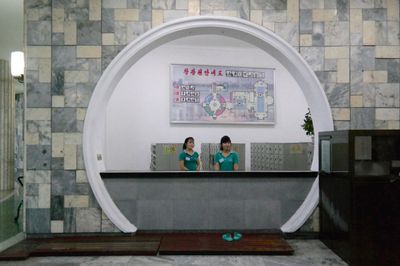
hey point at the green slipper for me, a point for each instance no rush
(227, 237)
(237, 236)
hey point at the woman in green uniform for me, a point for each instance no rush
(188, 158)
(225, 159)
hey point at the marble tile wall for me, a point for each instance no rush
(353, 47)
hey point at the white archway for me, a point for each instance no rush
(95, 126)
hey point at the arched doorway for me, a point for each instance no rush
(95, 121)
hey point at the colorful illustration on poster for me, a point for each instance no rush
(222, 94)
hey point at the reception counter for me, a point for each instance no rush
(208, 200)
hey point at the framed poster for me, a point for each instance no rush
(222, 94)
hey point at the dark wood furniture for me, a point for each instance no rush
(360, 195)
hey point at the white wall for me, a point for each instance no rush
(11, 27)
(138, 112)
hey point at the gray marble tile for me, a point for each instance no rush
(295, 190)
(261, 214)
(64, 183)
(374, 14)
(306, 4)
(326, 76)
(114, 3)
(57, 163)
(88, 220)
(381, 32)
(343, 8)
(38, 95)
(356, 38)
(31, 76)
(388, 95)
(63, 57)
(369, 95)
(37, 221)
(289, 32)
(121, 32)
(63, 120)
(145, 11)
(92, 200)
(108, 54)
(394, 71)
(289, 209)
(31, 189)
(306, 24)
(330, 65)
(69, 220)
(38, 33)
(77, 13)
(133, 3)
(226, 214)
(242, 6)
(163, 4)
(107, 20)
(221, 189)
(135, 29)
(362, 58)
(362, 118)
(57, 208)
(57, 81)
(38, 157)
(37, 3)
(313, 56)
(42, 128)
(337, 33)
(329, 4)
(89, 32)
(77, 95)
(209, 5)
(80, 164)
(57, 38)
(318, 38)
(155, 214)
(94, 70)
(190, 214)
(268, 4)
(356, 81)
(362, 4)
(341, 125)
(338, 94)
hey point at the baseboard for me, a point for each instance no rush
(12, 241)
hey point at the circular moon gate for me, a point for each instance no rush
(94, 133)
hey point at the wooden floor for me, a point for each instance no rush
(149, 244)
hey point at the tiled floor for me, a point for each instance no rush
(307, 252)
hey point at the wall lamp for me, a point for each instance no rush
(17, 66)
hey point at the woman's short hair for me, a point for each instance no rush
(224, 139)
(186, 141)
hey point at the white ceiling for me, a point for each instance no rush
(11, 27)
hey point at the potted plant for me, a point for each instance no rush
(308, 124)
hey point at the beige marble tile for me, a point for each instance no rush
(31, 138)
(341, 114)
(45, 70)
(44, 196)
(70, 156)
(356, 101)
(356, 22)
(193, 7)
(126, 14)
(57, 101)
(107, 39)
(76, 76)
(369, 35)
(39, 51)
(226, 13)
(157, 18)
(57, 226)
(393, 10)
(94, 9)
(58, 17)
(80, 114)
(181, 4)
(57, 145)
(387, 51)
(32, 14)
(305, 39)
(375, 76)
(293, 7)
(72, 138)
(70, 32)
(76, 201)
(334, 52)
(324, 15)
(38, 114)
(88, 51)
(343, 71)
(81, 176)
(387, 113)
(38, 176)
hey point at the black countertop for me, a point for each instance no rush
(209, 174)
